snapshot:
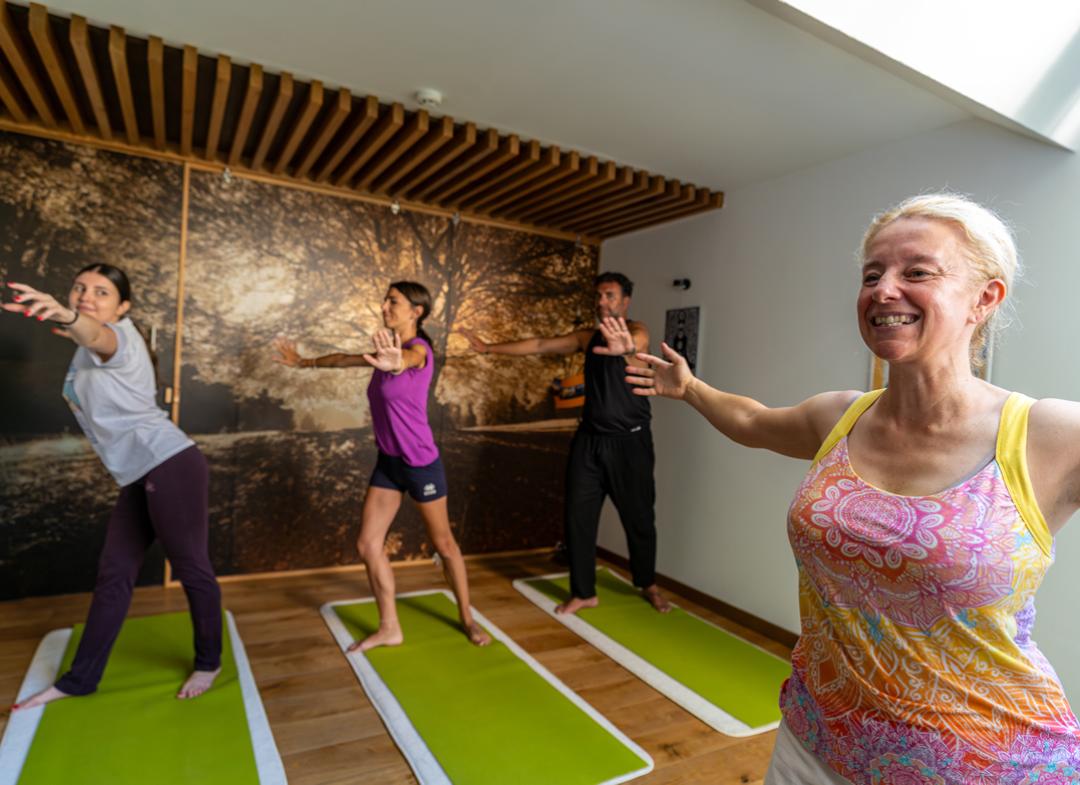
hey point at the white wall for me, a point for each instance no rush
(775, 274)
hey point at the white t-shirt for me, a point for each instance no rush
(115, 405)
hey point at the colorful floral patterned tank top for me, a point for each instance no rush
(915, 664)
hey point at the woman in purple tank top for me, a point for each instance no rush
(408, 458)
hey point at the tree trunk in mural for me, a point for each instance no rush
(474, 272)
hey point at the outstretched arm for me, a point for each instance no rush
(285, 353)
(796, 431)
(84, 330)
(557, 344)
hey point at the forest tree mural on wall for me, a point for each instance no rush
(290, 450)
(265, 261)
(62, 207)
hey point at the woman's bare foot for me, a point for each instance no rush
(575, 604)
(197, 683)
(476, 633)
(45, 696)
(384, 636)
(653, 596)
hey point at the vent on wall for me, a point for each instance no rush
(65, 78)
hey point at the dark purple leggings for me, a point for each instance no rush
(169, 503)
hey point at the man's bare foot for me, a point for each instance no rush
(45, 696)
(575, 604)
(197, 683)
(476, 633)
(656, 599)
(381, 637)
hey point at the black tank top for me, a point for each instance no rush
(610, 404)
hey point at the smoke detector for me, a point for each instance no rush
(429, 98)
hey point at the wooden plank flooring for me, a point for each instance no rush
(327, 731)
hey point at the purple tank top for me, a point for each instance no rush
(399, 411)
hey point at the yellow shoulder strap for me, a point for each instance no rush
(1011, 456)
(845, 423)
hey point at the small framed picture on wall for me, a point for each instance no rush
(681, 329)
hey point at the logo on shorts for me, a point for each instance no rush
(429, 489)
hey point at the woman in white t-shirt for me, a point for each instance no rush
(163, 477)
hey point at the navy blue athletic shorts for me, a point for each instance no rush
(423, 483)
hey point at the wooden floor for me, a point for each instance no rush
(328, 732)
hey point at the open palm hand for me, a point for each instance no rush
(387, 356)
(668, 376)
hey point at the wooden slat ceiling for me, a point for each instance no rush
(65, 78)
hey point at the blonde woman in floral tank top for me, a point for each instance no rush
(922, 529)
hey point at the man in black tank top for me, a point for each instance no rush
(612, 451)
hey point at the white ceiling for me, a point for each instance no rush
(715, 92)
(1014, 64)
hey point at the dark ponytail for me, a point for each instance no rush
(119, 279)
(417, 294)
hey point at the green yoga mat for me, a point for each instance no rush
(134, 730)
(724, 680)
(464, 714)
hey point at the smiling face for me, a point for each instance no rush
(610, 301)
(95, 295)
(398, 313)
(920, 296)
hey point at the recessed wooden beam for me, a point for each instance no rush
(118, 59)
(45, 42)
(389, 123)
(591, 177)
(570, 165)
(704, 202)
(645, 189)
(610, 179)
(643, 217)
(653, 200)
(9, 95)
(79, 35)
(486, 146)
(189, 86)
(217, 108)
(675, 215)
(247, 113)
(369, 113)
(675, 195)
(624, 181)
(436, 138)
(507, 150)
(548, 162)
(270, 128)
(476, 183)
(300, 128)
(333, 121)
(632, 183)
(155, 66)
(464, 138)
(410, 134)
(12, 46)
